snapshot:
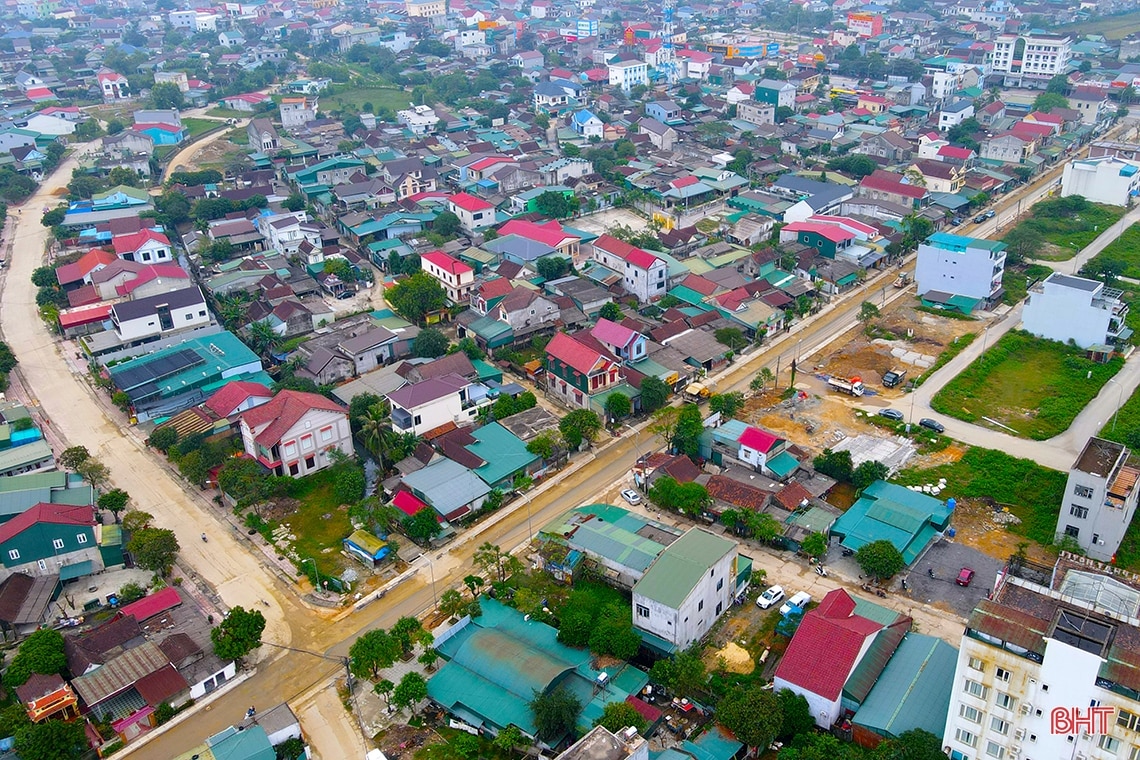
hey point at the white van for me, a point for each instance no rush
(801, 600)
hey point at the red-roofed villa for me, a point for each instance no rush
(293, 433)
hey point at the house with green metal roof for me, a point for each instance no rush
(497, 662)
(20, 492)
(503, 453)
(913, 691)
(885, 511)
(687, 588)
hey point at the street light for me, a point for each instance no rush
(431, 569)
(316, 572)
(1119, 400)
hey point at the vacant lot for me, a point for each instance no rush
(1034, 386)
(195, 127)
(1126, 250)
(319, 522)
(352, 99)
(1113, 27)
(1067, 225)
(1016, 280)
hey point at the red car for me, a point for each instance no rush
(965, 575)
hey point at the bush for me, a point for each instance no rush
(349, 485)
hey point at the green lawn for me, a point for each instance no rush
(353, 98)
(1125, 249)
(1068, 233)
(195, 127)
(1016, 280)
(1033, 493)
(1035, 386)
(319, 524)
(1113, 27)
(228, 113)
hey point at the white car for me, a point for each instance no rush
(631, 496)
(799, 601)
(770, 597)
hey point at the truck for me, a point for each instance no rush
(893, 378)
(852, 386)
(902, 280)
(695, 392)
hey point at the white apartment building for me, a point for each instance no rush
(686, 588)
(944, 84)
(1100, 498)
(1049, 646)
(1030, 60)
(162, 314)
(962, 266)
(426, 8)
(1106, 179)
(428, 404)
(1064, 307)
(627, 74)
(297, 112)
(474, 213)
(418, 119)
(457, 279)
(643, 274)
(756, 113)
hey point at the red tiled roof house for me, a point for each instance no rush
(577, 367)
(294, 433)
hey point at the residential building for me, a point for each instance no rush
(113, 86)
(1008, 148)
(1108, 179)
(954, 113)
(776, 93)
(163, 314)
(1091, 103)
(1069, 308)
(51, 539)
(628, 74)
(1044, 649)
(419, 120)
(587, 125)
(1100, 498)
(426, 8)
(145, 246)
(756, 113)
(1030, 60)
(263, 135)
(627, 344)
(448, 487)
(577, 368)
(457, 279)
(940, 176)
(297, 112)
(602, 744)
(643, 274)
(963, 266)
(908, 519)
(429, 404)
(887, 186)
(687, 588)
(295, 432)
(661, 135)
(474, 213)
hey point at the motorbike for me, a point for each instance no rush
(204, 539)
(820, 571)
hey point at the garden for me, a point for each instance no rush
(1032, 386)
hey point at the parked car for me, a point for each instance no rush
(990, 214)
(770, 597)
(891, 414)
(799, 601)
(934, 425)
(631, 496)
(979, 218)
(965, 575)
(955, 221)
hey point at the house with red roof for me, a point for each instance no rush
(625, 343)
(457, 278)
(549, 233)
(837, 654)
(153, 279)
(238, 396)
(887, 186)
(489, 293)
(78, 273)
(643, 274)
(294, 432)
(145, 246)
(474, 213)
(579, 367)
(51, 539)
(113, 86)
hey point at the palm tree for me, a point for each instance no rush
(263, 337)
(378, 436)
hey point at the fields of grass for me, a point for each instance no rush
(195, 127)
(1033, 493)
(947, 354)
(319, 524)
(353, 98)
(1113, 27)
(1125, 249)
(1016, 281)
(1035, 386)
(1066, 231)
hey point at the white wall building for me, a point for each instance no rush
(474, 213)
(1030, 60)
(457, 278)
(643, 274)
(627, 74)
(294, 433)
(686, 588)
(959, 265)
(158, 315)
(1100, 498)
(418, 119)
(1106, 179)
(423, 406)
(1065, 307)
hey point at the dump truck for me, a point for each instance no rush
(893, 378)
(696, 392)
(852, 386)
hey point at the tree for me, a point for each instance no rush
(51, 740)
(546, 444)
(348, 486)
(71, 458)
(411, 690)
(686, 437)
(423, 526)
(446, 224)
(555, 714)
(93, 471)
(1107, 270)
(684, 673)
(13, 718)
(154, 549)
(618, 406)
(835, 464)
(728, 404)
(430, 343)
(1058, 85)
(42, 652)
(618, 715)
(868, 311)
(385, 689)
(880, 559)
(914, 744)
(136, 519)
(372, 652)
(509, 738)
(494, 561)
(114, 501)
(796, 714)
(52, 218)
(731, 337)
(814, 545)
(243, 480)
(131, 592)
(867, 473)
(553, 267)
(752, 714)
(429, 658)
(238, 634)
(451, 603)
(471, 348)
(263, 339)
(1023, 242)
(613, 634)
(416, 296)
(295, 202)
(579, 425)
(557, 205)
(763, 377)
(163, 438)
(1047, 101)
(655, 393)
(44, 277)
(687, 498)
(610, 311)
(474, 584)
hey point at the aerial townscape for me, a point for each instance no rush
(569, 379)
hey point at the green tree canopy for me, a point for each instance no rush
(411, 690)
(1047, 101)
(686, 435)
(51, 740)
(238, 634)
(372, 652)
(555, 713)
(752, 714)
(579, 425)
(728, 404)
(618, 406)
(42, 652)
(416, 296)
(154, 549)
(446, 224)
(618, 715)
(880, 559)
(684, 673)
(796, 714)
(422, 526)
(867, 473)
(835, 464)
(430, 343)
(553, 267)
(610, 311)
(655, 393)
(557, 205)
(687, 498)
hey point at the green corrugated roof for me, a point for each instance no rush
(887, 511)
(913, 690)
(614, 534)
(783, 464)
(677, 570)
(504, 453)
(814, 519)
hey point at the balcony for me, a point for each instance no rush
(401, 418)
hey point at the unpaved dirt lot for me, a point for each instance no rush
(605, 220)
(219, 154)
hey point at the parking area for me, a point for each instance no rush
(946, 558)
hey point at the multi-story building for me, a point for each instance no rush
(1048, 667)
(756, 113)
(428, 404)
(643, 274)
(578, 367)
(1031, 59)
(962, 266)
(1107, 179)
(1068, 308)
(146, 319)
(426, 8)
(457, 278)
(628, 74)
(1100, 498)
(776, 92)
(297, 112)
(474, 213)
(294, 433)
(418, 119)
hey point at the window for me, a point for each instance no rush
(307, 442)
(1109, 744)
(700, 605)
(720, 584)
(965, 737)
(1134, 754)
(976, 664)
(1004, 701)
(294, 469)
(972, 714)
(1078, 512)
(642, 611)
(14, 554)
(326, 434)
(1128, 720)
(57, 543)
(719, 607)
(1002, 675)
(42, 564)
(310, 463)
(975, 689)
(1072, 530)
(290, 449)
(993, 749)
(80, 538)
(999, 726)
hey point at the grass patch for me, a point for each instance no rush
(948, 313)
(1113, 27)
(293, 343)
(228, 113)
(353, 98)
(195, 127)
(1126, 250)
(1033, 385)
(1069, 224)
(1016, 281)
(319, 523)
(948, 353)
(163, 152)
(1033, 493)
(926, 441)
